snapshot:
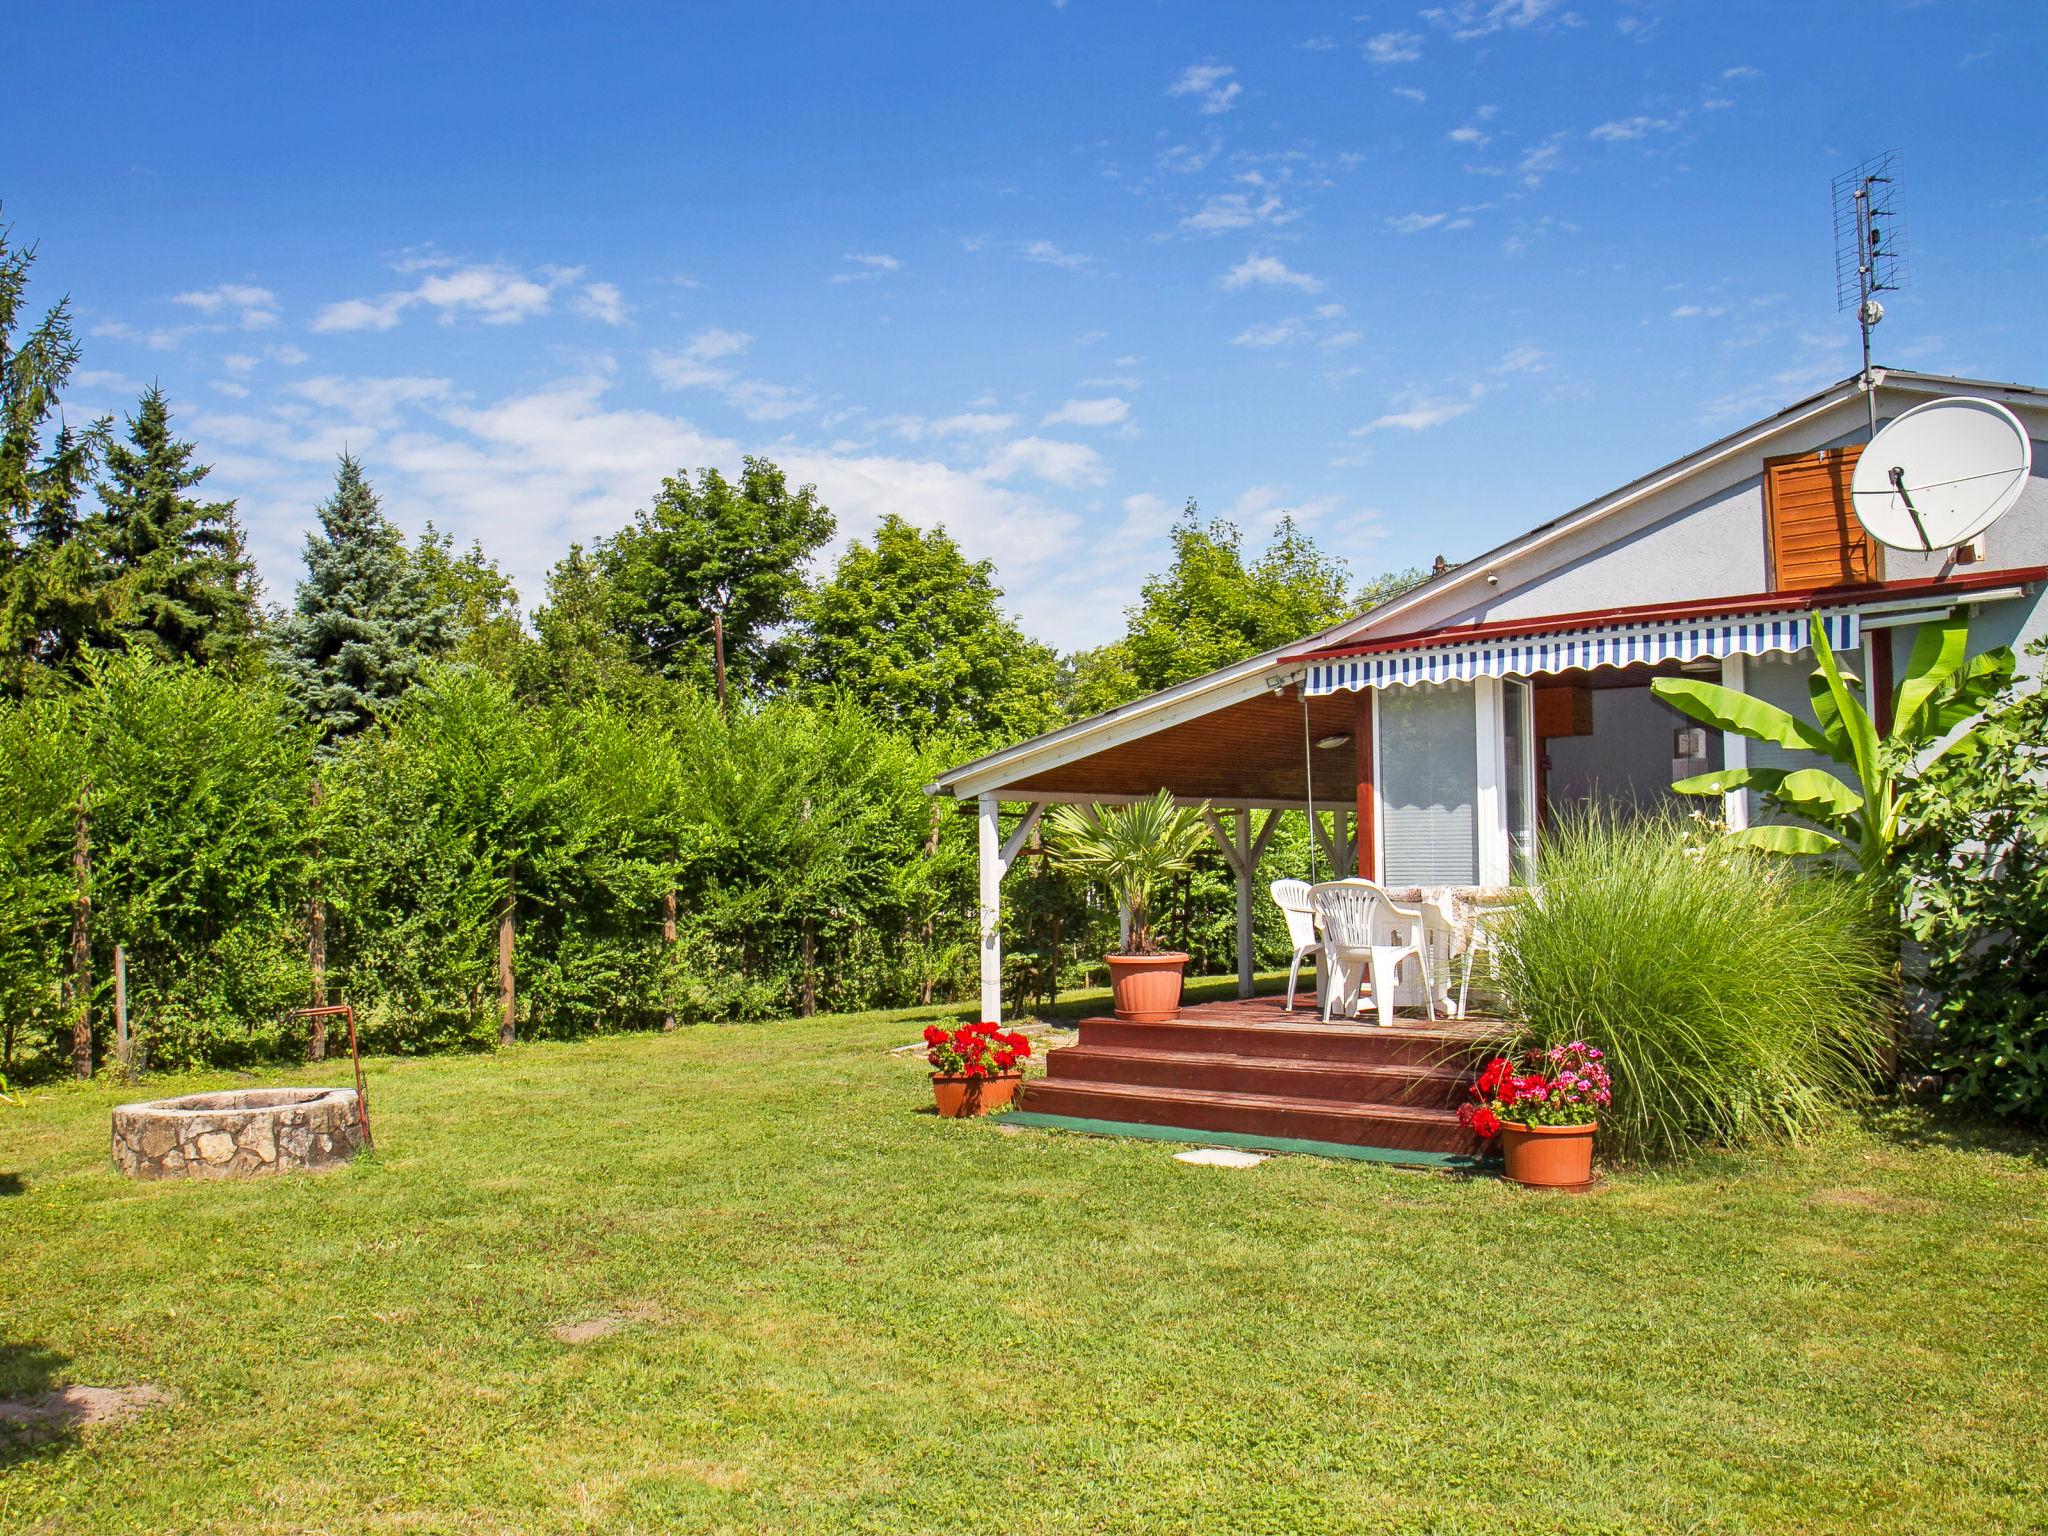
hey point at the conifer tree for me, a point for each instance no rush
(49, 602)
(366, 619)
(182, 583)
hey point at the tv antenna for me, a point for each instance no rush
(1870, 250)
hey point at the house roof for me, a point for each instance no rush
(1860, 595)
(1265, 672)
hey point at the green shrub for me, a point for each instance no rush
(1738, 996)
(1978, 905)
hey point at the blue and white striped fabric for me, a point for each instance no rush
(1606, 645)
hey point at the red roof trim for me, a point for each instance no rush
(1958, 586)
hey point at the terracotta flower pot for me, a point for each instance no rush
(962, 1098)
(1146, 987)
(1548, 1156)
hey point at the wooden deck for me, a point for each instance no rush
(1256, 1073)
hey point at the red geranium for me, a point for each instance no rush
(974, 1050)
(1573, 1092)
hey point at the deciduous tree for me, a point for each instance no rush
(737, 550)
(914, 630)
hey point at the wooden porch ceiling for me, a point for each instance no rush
(1245, 753)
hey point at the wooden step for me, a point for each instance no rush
(1399, 1126)
(1415, 1043)
(1352, 1082)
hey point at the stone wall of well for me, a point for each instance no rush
(234, 1134)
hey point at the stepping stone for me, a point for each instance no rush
(1220, 1157)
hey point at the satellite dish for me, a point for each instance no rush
(1940, 474)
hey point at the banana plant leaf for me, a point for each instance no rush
(1728, 710)
(1784, 839)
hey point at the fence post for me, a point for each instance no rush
(121, 1009)
(316, 946)
(507, 999)
(668, 941)
(81, 937)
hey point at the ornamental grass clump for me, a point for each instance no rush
(1738, 997)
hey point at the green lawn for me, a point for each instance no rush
(841, 1314)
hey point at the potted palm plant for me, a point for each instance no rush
(1130, 850)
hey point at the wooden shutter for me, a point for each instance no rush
(1815, 540)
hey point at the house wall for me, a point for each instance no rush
(1709, 540)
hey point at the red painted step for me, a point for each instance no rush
(1351, 1082)
(1408, 1043)
(1400, 1127)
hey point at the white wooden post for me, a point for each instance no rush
(991, 862)
(1734, 751)
(1490, 804)
(996, 857)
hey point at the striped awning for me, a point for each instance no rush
(1604, 645)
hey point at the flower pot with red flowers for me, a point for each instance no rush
(1544, 1114)
(1130, 850)
(975, 1068)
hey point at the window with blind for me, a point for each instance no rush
(1429, 781)
(1815, 540)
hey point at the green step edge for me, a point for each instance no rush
(1461, 1161)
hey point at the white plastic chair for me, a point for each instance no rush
(1291, 897)
(1360, 942)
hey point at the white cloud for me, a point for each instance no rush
(1051, 459)
(1045, 252)
(1421, 417)
(602, 302)
(1411, 93)
(1394, 48)
(250, 307)
(1416, 223)
(1187, 159)
(700, 364)
(1621, 130)
(1209, 84)
(361, 314)
(866, 265)
(1741, 72)
(1540, 160)
(489, 292)
(1276, 333)
(285, 353)
(1270, 272)
(971, 424)
(1523, 359)
(1105, 412)
(1466, 20)
(1687, 312)
(1470, 135)
(1146, 516)
(1235, 210)
(705, 362)
(369, 401)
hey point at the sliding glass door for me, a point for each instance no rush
(1428, 785)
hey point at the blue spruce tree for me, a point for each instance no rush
(366, 620)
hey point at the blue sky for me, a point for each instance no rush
(1040, 271)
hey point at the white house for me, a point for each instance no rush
(1431, 737)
